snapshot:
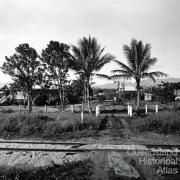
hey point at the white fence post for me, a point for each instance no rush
(97, 110)
(146, 109)
(45, 108)
(82, 117)
(130, 111)
(156, 109)
(72, 108)
(19, 108)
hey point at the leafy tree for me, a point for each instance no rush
(18, 86)
(75, 92)
(87, 59)
(23, 69)
(54, 58)
(166, 91)
(139, 63)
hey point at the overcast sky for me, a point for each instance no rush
(112, 22)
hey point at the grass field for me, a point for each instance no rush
(66, 125)
(57, 125)
(81, 170)
(166, 122)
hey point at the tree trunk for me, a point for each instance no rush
(82, 111)
(61, 100)
(88, 99)
(85, 91)
(138, 95)
(29, 102)
(24, 99)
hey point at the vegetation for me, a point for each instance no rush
(164, 122)
(23, 68)
(86, 60)
(55, 64)
(165, 92)
(75, 91)
(51, 125)
(81, 170)
(139, 63)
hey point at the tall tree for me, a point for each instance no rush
(88, 58)
(139, 63)
(23, 69)
(54, 58)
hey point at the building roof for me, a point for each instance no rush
(20, 95)
(129, 88)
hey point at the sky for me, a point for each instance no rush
(113, 22)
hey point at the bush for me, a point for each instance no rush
(45, 125)
(9, 110)
(53, 100)
(40, 100)
(163, 122)
(81, 170)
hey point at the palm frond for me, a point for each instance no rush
(103, 76)
(115, 77)
(153, 75)
(148, 63)
(120, 71)
(129, 56)
(123, 66)
(107, 58)
(88, 57)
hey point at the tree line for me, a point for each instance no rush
(51, 67)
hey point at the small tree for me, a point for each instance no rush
(87, 59)
(139, 62)
(23, 69)
(54, 58)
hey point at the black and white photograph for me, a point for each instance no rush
(89, 90)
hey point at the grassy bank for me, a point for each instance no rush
(167, 122)
(81, 170)
(49, 125)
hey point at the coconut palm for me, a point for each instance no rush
(139, 63)
(87, 59)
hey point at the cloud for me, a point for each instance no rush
(113, 22)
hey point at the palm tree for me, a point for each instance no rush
(139, 63)
(87, 59)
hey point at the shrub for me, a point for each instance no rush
(81, 170)
(53, 100)
(164, 122)
(7, 110)
(45, 125)
(40, 100)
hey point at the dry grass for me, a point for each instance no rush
(167, 122)
(81, 170)
(46, 125)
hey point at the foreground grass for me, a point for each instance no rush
(167, 122)
(81, 170)
(49, 125)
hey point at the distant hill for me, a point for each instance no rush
(146, 83)
(113, 85)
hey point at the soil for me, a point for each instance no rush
(107, 164)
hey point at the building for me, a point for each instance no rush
(177, 94)
(147, 97)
